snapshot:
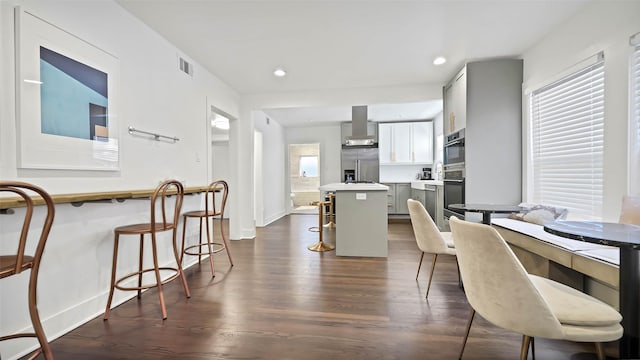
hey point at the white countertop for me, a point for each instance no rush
(420, 184)
(354, 186)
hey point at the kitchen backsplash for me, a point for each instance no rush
(399, 173)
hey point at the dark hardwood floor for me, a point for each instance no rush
(282, 301)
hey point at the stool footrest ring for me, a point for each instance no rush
(219, 247)
(147, 286)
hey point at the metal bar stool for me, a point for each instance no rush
(162, 193)
(211, 210)
(320, 245)
(18, 262)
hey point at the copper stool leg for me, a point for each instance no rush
(209, 244)
(320, 245)
(114, 263)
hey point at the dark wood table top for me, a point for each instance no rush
(614, 234)
(488, 208)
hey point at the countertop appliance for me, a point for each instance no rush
(426, 174)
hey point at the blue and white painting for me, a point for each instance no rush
(73, 98)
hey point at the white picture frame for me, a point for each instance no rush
(66, 94)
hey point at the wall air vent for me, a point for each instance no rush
(185, 66)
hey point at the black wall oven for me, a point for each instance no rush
(453, 189)
(454, 148)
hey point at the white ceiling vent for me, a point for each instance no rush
(185, 66)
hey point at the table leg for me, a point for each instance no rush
(629, 300)
(486, 218)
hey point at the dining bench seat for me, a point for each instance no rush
(588, 267)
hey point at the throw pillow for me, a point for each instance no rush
(539, 214)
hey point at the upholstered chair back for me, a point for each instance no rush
(428, 236)
(496, 284)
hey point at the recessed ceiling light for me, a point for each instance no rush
(279, 72)
(439, 60)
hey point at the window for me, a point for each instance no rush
(634, 141)
(308, 166)
(567, 137)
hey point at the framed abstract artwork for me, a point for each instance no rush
(66, 99)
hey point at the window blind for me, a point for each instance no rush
(567, 129)
(635, 95)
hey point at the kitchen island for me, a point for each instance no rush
(361, 218)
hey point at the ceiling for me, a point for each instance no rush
(305, 116)
(326, 45)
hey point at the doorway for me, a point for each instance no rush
(304, 177)
(219, 164)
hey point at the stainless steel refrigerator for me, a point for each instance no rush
(360, 164)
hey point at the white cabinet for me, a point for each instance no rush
(401, 143)
(406, 143)
(422, 142)
(384, 143)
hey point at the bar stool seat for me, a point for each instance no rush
(162, 194)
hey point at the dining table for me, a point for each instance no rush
(627, 238)
(487, 209)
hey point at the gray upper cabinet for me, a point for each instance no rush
(455, 100)
(485, 98)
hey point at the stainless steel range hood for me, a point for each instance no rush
(359, 136)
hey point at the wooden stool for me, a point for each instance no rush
(331, 224)
(163, 192)
(18, 261)
(211, 210)
(320, 245)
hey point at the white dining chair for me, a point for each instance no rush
(499, 288)
(428, 237)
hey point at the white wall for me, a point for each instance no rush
(220, 166)
(274, 168)
(154, 96)
(601, 26)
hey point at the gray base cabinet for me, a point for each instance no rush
(397, 197)
(432, 198)
(362, 223)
